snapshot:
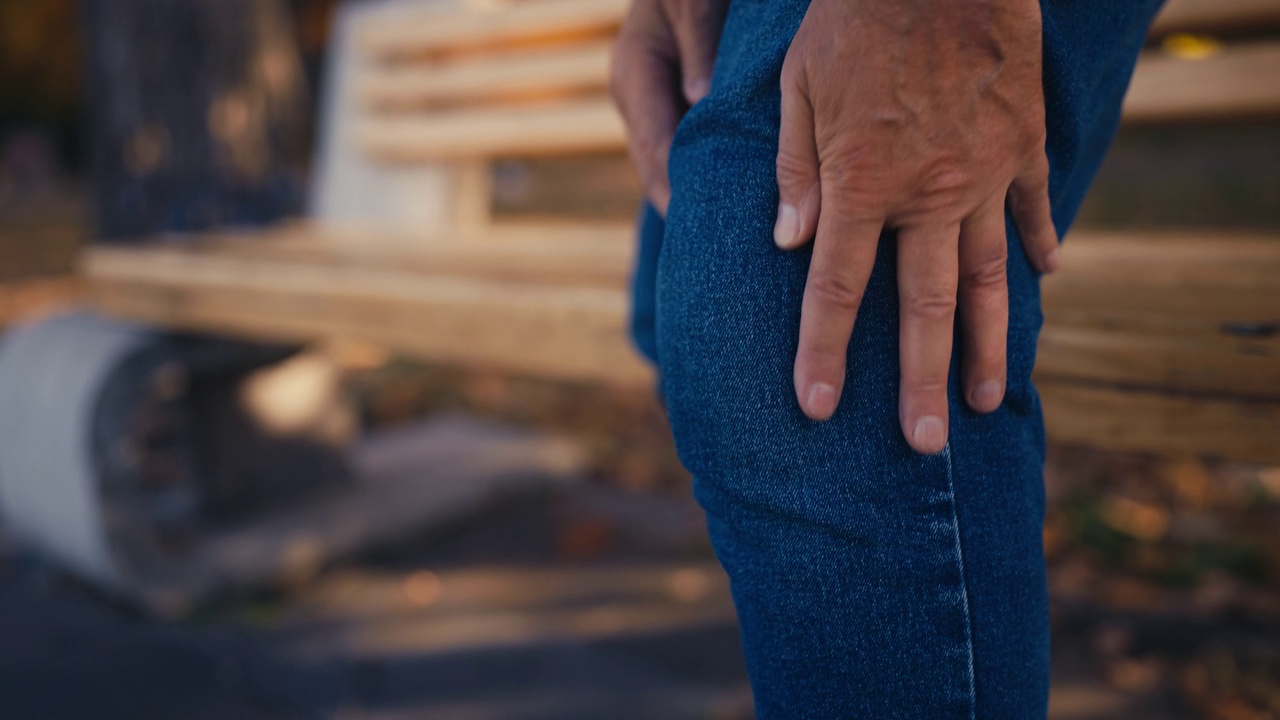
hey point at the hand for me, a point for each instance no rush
(662, 64)
(927, 117)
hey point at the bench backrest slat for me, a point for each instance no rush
(1240, 81)
(510, 75)
(562, 128)
(1215, 15)
(448, 28)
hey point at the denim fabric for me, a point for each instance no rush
(870, 581)
(644, 283)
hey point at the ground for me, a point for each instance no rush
(604, 600)
(587, 603)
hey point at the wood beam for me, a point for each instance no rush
(1159, 423)
(426, 29)
(1238, 82)
(577, 126)
(1215, 15)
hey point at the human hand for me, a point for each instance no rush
(927, 117)
(661, 65)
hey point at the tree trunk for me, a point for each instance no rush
(198, 114)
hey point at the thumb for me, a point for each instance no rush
(697, 25)
(799, 189)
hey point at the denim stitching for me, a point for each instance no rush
(964, 585)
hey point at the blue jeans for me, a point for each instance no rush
(870, 581)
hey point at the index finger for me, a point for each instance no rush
(844, 253)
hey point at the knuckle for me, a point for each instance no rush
(854, 174)
(795, 171)
(1028, 200)
(946, 176)
(1035, 183)
(1035, 135)
(987, 274)
(849, 168)
(836, 292)
(1034, 190)
(857, 187)
(931, 304)
(943, 186)
(929, 384)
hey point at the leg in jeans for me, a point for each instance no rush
(870, 581)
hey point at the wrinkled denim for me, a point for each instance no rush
(870, 581)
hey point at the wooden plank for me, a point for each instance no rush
(1134, 316)
(527, 74)
(1193, 285)
(400, 30)
(1248, 369)
(473, 195)
(1235, 84)
(575, 333)
(1239, 82)
(1151, 270)
(1157, 423)
(549, 301)
(1174, 259)
(1108, 313)
(426, 29)
(1215, 15)
(579, 253)
(443, 28)
(1226, 312)
(578, 126)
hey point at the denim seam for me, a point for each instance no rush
(964, 585)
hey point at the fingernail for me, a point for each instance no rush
(988, 394)
(1052, 261)
(929, 435)
(787, 228)
(695, 90)
(821, 401)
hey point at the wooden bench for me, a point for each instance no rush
(1166, 343)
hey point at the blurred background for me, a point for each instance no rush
(359, 441)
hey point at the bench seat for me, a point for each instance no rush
(1152, 342)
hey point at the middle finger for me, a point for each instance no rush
(927, 279)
